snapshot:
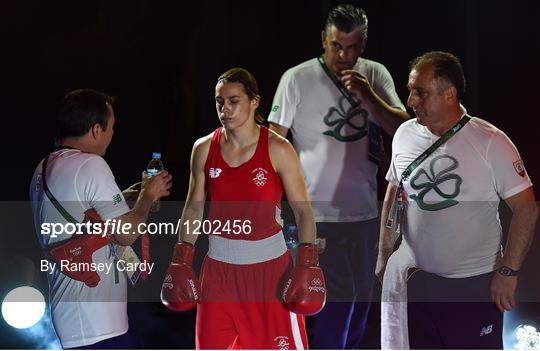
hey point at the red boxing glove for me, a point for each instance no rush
(305, 290)
(77, 253)
(181, 290)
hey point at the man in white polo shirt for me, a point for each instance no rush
(336, 107)
(88, 306)
(447, 210)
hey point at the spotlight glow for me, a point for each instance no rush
(23, 307)
(527, 338)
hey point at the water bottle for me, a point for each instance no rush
(290, 231)
(154, 167)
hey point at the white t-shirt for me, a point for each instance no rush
(452, 222)
(330, 138)
(80, 181)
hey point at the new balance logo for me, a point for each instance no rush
(214, 172)
(117, 199)
(38, 183)
(486, 330)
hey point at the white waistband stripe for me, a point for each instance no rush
(246, 251)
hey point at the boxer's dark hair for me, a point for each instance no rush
(242, 76)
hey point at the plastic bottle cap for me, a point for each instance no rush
(156, 155)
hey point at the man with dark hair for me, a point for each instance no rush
(74, 185)
(80, 110)
(336, 107)
(449, 282)
(447, 71)
(347, 18)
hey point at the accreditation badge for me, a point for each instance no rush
(129, 262)
(396, 208)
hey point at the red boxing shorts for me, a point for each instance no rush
(241, 307)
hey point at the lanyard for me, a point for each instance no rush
(397, 205)
(338, 83)
(443, 139)
(375, 145)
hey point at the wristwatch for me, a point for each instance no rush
(507, 271)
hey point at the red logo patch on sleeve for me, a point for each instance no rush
(519, 167)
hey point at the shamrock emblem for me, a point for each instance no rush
(438, 177)
(348, 124)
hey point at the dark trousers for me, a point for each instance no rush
(129, 340)
(452, 313)
(348, 262)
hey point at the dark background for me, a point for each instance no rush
(161, 59)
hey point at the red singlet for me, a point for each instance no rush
(250, 192)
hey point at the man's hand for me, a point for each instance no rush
(131, 194)
(357, 84)
(387, 117)
(503, 291)
(157, 186)
(520, 235)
